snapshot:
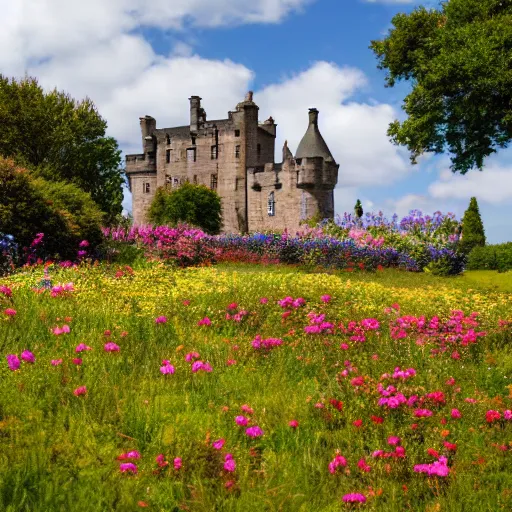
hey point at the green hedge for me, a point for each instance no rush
(491, 257)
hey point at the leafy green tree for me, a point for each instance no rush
(61, 139)
(358, 209)
(473, 234)
(194, 204)
(62, 211)
(457, 59)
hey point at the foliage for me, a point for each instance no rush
(491, 257)
(457, 61)
(358, 209)
(64, 139)
(473, 234)
(63, 212)
(195, 205)
(443, 349)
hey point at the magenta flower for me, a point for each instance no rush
(229, 464)
(161, 320)
(13, 362)
(325, 298)
(160, 460)
(338, 460)
(5, 290)
(393, 440)
(167, 369)
(28, 357)
(293, 424)
(111, 347)
(200, 366)
(247, 409)
(10, 312)
(456, 414)
(128, 467)
(437, 468)
(422, 413)
(134, 454)
(177, 463)
(61, 330)
(354, 497)
(56, 362)
(82, 390)
(82, 347)
(204, 321)
(254, 431)
(191, 356)
(218, 444)
(263, 300)
(507, 414)
(78, 361)
(242, 421)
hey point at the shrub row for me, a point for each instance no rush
(491, 257)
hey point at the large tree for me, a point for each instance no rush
(458, 61)
(62, 139)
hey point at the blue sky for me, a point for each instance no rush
(134, 57)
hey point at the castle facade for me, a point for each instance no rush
(235, 157)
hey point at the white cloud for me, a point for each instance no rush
(492, 185)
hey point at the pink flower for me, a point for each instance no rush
(358, 423)
(82, 347)
(177, 463)
(218, 444)
(363, 466)
(325, 298)
(28, 357)
(229, 464)
(422, 413)
(204, 321)
(13, 362)
(200, 366)
(354, 497)
(78, 361)
(160, 460)
(56, 362)
(263, 300)
(82, 390)
(242, 421)
(61, 330)
(393, 440)
(437, 468)
(254, 431)
(191, 356)
(134, 454)
(247, 409)
(507, 414)
(128, 467)
(167, 368)
(344, 346)
(10, 312)
(111, 347)
(5, 290)
(456, 414)
(336, 462)
(293, 424)
(230, 362)
(161, 320)
(492, 416)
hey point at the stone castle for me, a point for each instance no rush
(235, 157)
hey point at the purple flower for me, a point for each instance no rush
(13, 362)
(167, 369)
(81, 347)
(229, 464)
(28, 357)
(161, 320)
(254, 431)
(354, 497)
(218, 444)
(128, 467)
(111, 347)
(242, 421)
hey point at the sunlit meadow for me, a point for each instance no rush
(243, 387)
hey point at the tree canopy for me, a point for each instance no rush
(62, 139)
(194, 204)
(458, 60)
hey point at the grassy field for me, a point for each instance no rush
(153, 398)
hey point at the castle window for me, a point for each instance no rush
(168, 156)
(175, 182)
(167, 138)
(193, 141)
(191, 155)
(213, 182)
(258, 150)
(237, 133)
(214, 153)
(146, 188)
(271, 205)
(237, 151)
(299, 161)
(195, 179)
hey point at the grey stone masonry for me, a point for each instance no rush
(235, 157)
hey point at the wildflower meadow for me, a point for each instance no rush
(252, 387)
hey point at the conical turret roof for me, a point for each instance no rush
(313, 144)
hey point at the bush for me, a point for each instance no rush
(491, 257)
(63, 212)
(8, 253)
(195, 205)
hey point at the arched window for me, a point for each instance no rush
(271, 205)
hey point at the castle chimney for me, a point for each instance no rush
(195, 107)
(313, 116)
(147, 127)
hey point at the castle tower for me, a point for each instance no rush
(317, 172)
